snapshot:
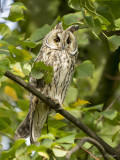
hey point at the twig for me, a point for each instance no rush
(80, 144)
(54, 104)
(114, 78)
(89, 153)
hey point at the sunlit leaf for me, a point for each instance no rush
(19, 54)
(44, 154)
(16, 13)
(18, 72)
(58, 116)
(4, 31)
(58, 152)
(11, 92)
(80, 102)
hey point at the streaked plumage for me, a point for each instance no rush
(59, 50)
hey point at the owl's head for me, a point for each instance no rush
(60, 39)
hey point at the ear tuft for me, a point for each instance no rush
(59, 26)
(72, 28)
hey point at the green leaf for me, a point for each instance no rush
(89, 20)
(119, 66)
(19, 4)
(41, 70)
(97, 26)
(5, 31)
(3, 124)
(4, 48)
(40, 33)
(28, 44)
(75, 4)
(1, 146)
(114, 42)
(117, 22)
(71, 97)
(73, 157)
(105, 11)
(56, 21)
(10, 154)
(56, 123)
(115, 135)
(36, 73)
(31, 148)
(67, 139)
(84, 70)
(16, 13)
(59, 152)
(49, 135)
(19, 54)
(97, 107)
(4, 66)
(3, 43)
(20, 151)
(111, 114)
(23, 157)
(72, 18)
(23, 105)
(47, 143)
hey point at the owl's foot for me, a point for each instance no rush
(57, 105)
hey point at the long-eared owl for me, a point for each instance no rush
(60, 51)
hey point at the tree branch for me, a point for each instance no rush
(54, 104)
(81, 143)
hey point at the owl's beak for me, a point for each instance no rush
(63, 47)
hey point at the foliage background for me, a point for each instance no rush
(96, 78)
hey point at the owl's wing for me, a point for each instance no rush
(23, 131)
(38, 111)
(36, 117)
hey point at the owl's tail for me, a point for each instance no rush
(38, 121)
(23, 130)
(34, 122)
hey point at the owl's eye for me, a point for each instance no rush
(68, 40)
(57, 39)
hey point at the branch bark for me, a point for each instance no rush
(81, 143)
(54, 104)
